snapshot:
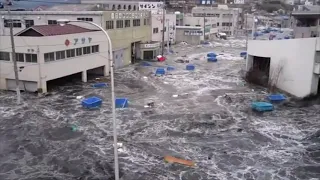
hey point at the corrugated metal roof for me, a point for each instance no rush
(54, 30)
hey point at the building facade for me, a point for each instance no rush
(210, 24)
(169, 29)
(306, 22)
(189, 34)
(45, 53)
(128, 30)
(227, 18)
(291, 65)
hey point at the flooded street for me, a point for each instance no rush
(219, 133)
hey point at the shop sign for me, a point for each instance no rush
(150, 5)
(151, 45)
(131, 15)
(78, 41)
(193, 33)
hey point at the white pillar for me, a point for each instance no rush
(106, 70)
(43, 86)
(84, 76)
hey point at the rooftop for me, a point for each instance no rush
(52, 30)
(73, 7)
(307, 10)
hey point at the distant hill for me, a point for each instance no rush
(31, 4)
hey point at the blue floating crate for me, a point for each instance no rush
(276, 97)
(262, 106)
(286, 37)
(243, 54)
(145, 64)
(212, 54)
(121, 103)
(160, 71)
(91, 102)
(170, 68)
(212, 59)
(100, 85)
(190, 67)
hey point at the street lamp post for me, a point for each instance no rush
(116, 163)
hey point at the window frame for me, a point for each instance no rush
(49, 58)
(70, 53)
(95, 49)
(110, 24)
(127, 23)
(52, 22)
(2, 53)
(34, 58)
(19, 56)
(60, 55)
(119, 24)
(85, 50)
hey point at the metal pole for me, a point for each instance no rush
(15, 66)
(253, 26)
(204, 27)
(163, 27)
(168, 44)
(115, 136)
(247, 36)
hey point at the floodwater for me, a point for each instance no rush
(218, 132)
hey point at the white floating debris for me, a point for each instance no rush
(97, 78)
(119, 145)
(165, 83)
(146, 106)
(120, 150)
(79, 97)
(145, 77)
(252, 90)
(175, 95)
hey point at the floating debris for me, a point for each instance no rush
(171, 159)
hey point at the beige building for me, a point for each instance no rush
(129, 30)
(48, 52)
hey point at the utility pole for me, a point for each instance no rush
(15, 66)
(163, 26)
(246, 31)
(168, 30)
(204, 26)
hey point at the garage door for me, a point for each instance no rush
(29, 86)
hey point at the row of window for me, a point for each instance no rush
(20, 57)
(125, 23)
(16, 23)
(211, 15)
(70, 53)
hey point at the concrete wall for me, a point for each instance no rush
(157, 23)
(45, 71)
(295, 56)
(180, 36)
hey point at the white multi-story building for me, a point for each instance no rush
(227, 18)
(210, 24)
(169, 30)
(48, 52)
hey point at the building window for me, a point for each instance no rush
(79, 51)
(148, 21)
(136, 22)
(52, 22)
(15, 23)
(165, 29)
(198, 25)
(144, 21)
(29, 23)
(95, 49)
(19, 57)
(127, 23)
(217, 24)
(187, 24)
(31, 58)
(85, 19)
(60, 55)
(226, 24)
(48, 57)
(71, 53)
(4, 56)
(109, 24)
(87, 50)
(155, 30)
(119, 23)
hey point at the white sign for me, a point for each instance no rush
(150, 5)
(152, 45)
(238, 1)
(193, 33)
(129, 15)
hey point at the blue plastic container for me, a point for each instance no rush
(91, 102)
(262, 106)
(243, 54)
(121, 102)
(212, 59)
(160, 71)
(212, 54)
(145, 64)
(170, 68)
(276, 98)
(100, 85)
(286, 37)
(190, 67)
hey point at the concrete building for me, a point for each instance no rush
(210, 24)
(129, 30)
(291, 65)
(189, 34)
(157, 27)
(306, 22)
(49, 52)
(227, 18)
